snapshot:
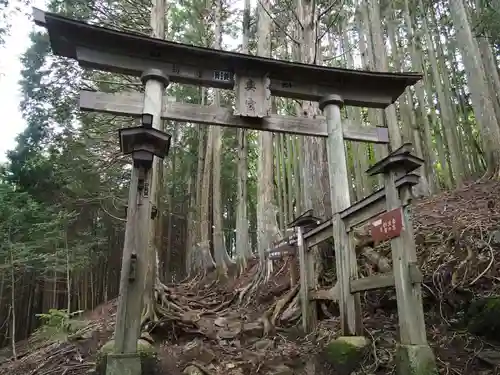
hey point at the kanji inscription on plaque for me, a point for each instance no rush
(250, 85)
(253, 96)
(388, 225)
(250, 105)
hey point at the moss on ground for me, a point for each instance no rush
(340, 352)
(482, 317)
(344, 354)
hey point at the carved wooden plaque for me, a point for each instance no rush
(253, 96)
(388, 225)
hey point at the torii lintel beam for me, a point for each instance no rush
(130, 104)
(131, 53)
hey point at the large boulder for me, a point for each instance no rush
(344, 354)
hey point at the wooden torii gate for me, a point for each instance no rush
(254, 80)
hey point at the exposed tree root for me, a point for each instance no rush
(180, 309)
(210, 312)
(292, 312)
(262, 275)
(493, 170)
(280, 304)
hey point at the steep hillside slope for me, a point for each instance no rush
(219, 330)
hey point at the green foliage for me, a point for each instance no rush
(57, 325)
(58, 318)
(27, 229)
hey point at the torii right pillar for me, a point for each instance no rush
(345, 255)
(414, 355)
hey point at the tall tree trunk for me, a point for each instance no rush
(452, 131)
(243, 251)
(266, 211)
(196, 253)
(490, 67)
(12, 300)
(410, 132)
(220, 253)
(480, 95)
(380, 60)
(190, 234)
(375, 116)
(360, 150)
(207, 261)
(444, 105)
(170, 207)
(315, 179)
(158, 31)
(416, 60)
(68, 275)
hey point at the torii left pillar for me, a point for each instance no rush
(135, 275)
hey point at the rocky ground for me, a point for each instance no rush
(228, 328)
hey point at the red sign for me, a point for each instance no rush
(388, 225)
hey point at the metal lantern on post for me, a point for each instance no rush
(144, 142)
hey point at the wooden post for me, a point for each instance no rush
(304, 285)
(130, 242)
(302, 224)
(409, 297)
(143, 143)
(133, 278)
(133, 272)
(311, 280)
(345, 256)
(292, 268)
(306, 269)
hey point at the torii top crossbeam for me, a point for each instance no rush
(131, 53)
